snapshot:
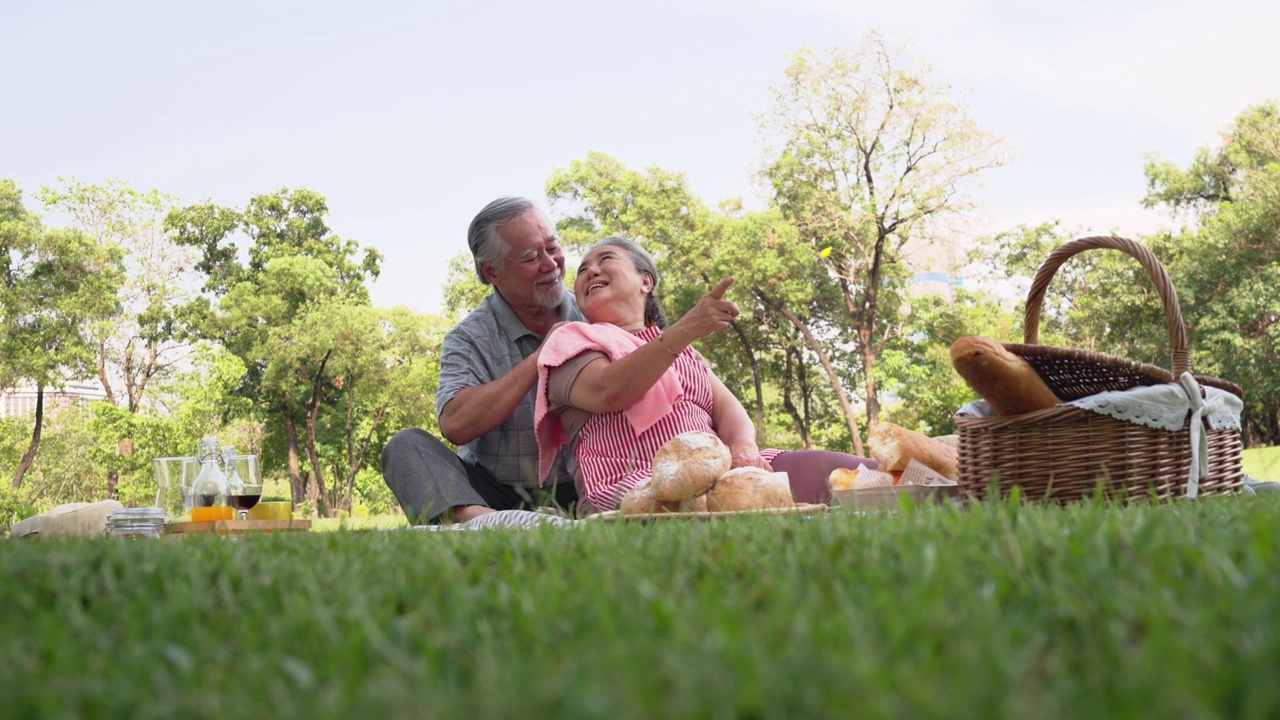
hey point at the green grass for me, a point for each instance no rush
(375, 522)
(995, 611)
(1263, 463)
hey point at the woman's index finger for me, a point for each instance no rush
(718, 291)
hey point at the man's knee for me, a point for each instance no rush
(407, 445)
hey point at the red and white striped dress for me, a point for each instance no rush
(612, 458)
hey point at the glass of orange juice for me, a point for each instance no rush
(207, 514)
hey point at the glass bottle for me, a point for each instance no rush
(234, 483)
(210, 487)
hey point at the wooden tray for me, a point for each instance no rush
(615, 516)
(237, 527)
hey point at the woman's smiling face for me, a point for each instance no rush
(610, 289)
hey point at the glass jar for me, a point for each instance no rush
(136, 523)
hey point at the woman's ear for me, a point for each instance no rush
(646, 283)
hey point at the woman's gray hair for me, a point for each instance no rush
(482, 237)
(644, 264)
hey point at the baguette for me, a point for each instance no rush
(893, 446)
(1007, 382)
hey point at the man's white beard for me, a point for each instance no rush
(551, 295)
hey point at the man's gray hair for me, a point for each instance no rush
(482, 237)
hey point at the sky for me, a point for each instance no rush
(410, 116)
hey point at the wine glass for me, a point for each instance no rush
(247, 486)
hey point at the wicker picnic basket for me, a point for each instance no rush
(1068, 453)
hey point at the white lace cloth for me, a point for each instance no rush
(1163, 407)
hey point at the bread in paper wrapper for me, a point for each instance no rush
(859, 478)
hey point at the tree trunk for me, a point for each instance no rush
(789, 404)
(1273, 422)
(29, 457)
(321, 496)
(755, 378)
(125, 448)
(296, 486)
(313, 412)
(806, 393)
(873, 401)
(867, 325)
(832, 376)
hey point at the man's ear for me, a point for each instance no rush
(488, 271)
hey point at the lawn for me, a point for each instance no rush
(1263, 463)
(1093, 610)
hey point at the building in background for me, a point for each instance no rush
(935, 267)
(21, 402)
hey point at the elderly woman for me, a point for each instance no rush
(619, 387)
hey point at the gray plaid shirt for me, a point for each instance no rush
(480, 349)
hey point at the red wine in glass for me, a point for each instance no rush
(244, 502)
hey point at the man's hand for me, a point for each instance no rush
(538, 351)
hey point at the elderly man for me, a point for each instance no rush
(488, 370)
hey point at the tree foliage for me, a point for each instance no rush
(54, 282)
(871, 153)
(1227, 263)
(270, 308)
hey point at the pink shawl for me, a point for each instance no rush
(571, 340)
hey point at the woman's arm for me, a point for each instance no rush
(734, 427)
(604, 386)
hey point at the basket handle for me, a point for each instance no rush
(1156, 271)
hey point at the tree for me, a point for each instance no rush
(295, 265)
(158, 307)
(916, 367)
(463, 291)
(871, 154)
(1226, 265)
(53, 283)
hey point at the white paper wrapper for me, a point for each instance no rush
(868, 478)
(917, 473)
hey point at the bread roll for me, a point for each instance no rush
(1007, 382)
(640, 501)
(894, 446)
(698, 504)
(750, 488)
(688, 465)
(774, 491)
